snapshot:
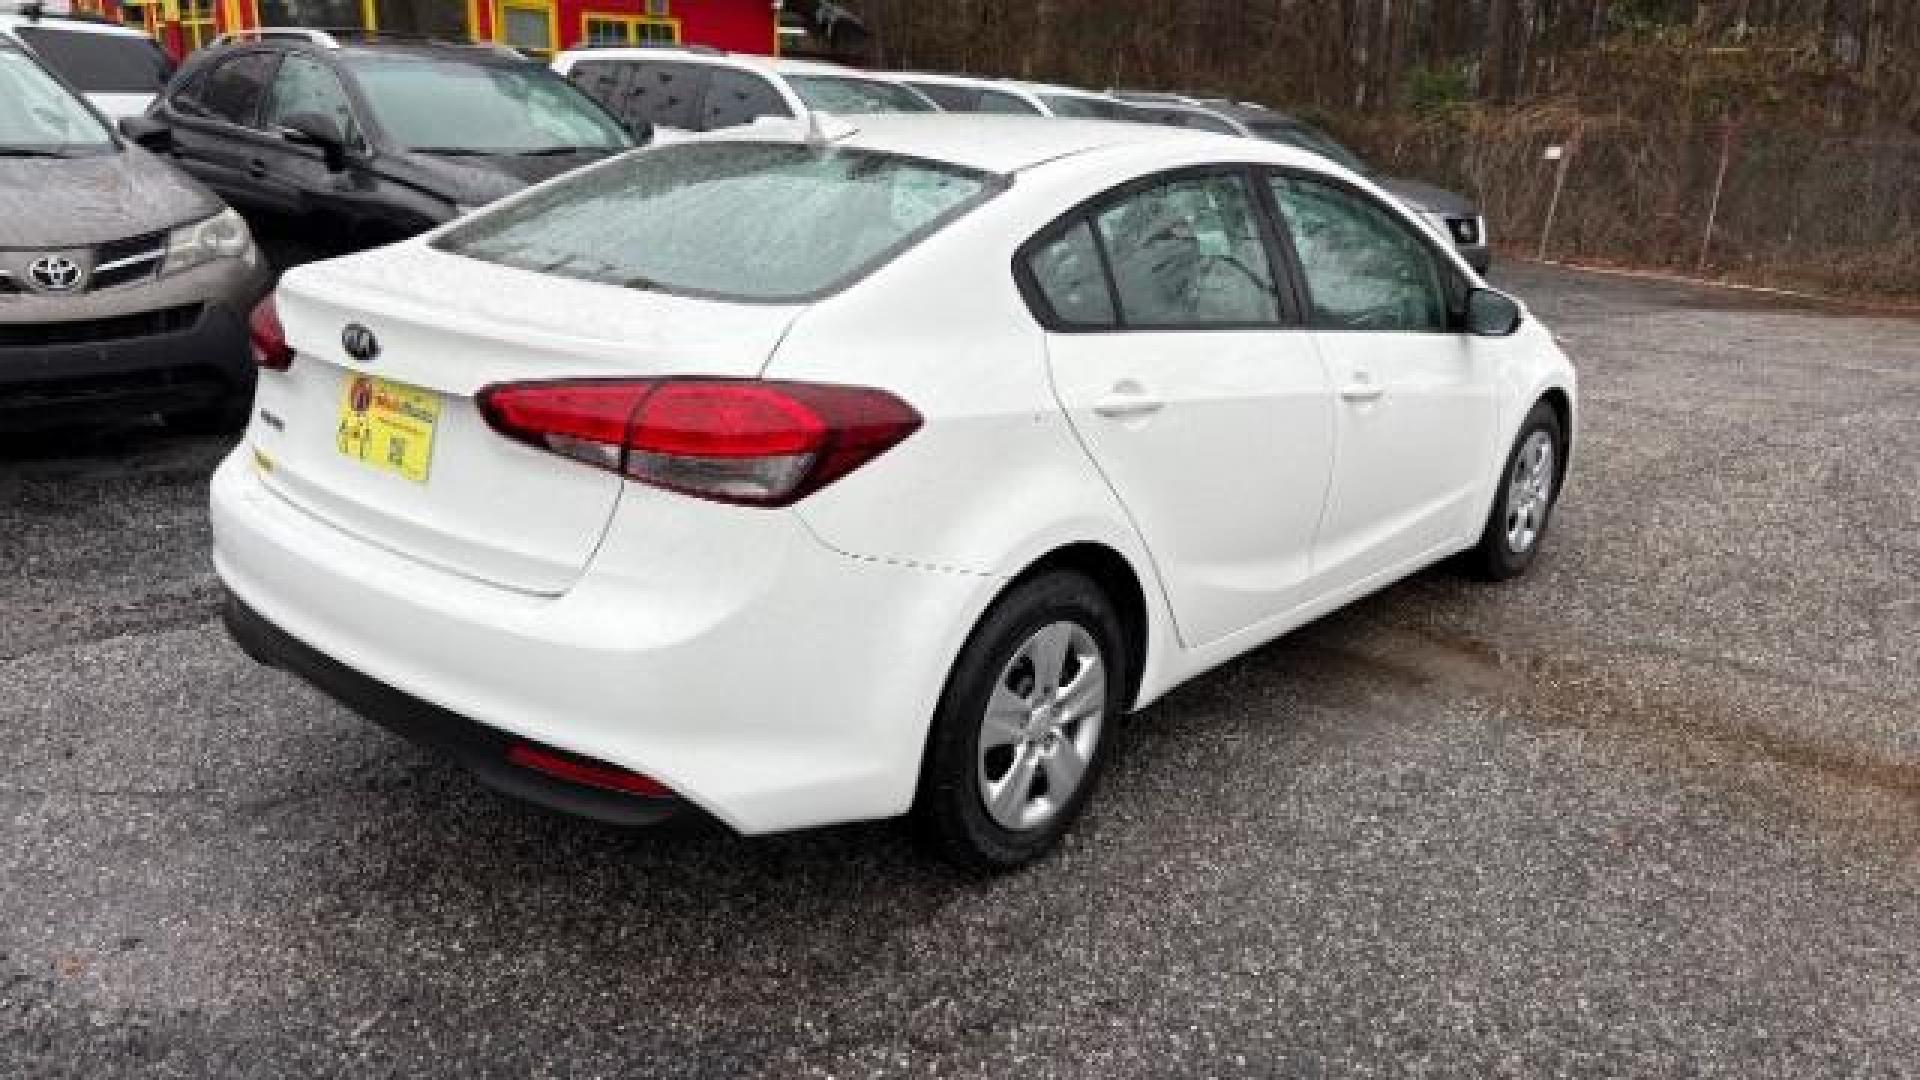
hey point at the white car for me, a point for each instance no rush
(117, 68)
(965, 94)
(688, 90)
(800, 482)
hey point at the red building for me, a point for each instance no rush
(539, 27)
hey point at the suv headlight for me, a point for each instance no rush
(222, 236)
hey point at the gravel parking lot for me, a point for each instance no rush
(1652, 810)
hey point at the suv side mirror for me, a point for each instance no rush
(1491, 313)
(148, 134)
(322, 132)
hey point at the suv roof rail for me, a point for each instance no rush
(279, 33)
(663, 46)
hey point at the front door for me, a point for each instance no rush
(1414, 393)
(1203, 403)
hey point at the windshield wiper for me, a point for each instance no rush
(553, 151)
(28, 152)
(453, 151)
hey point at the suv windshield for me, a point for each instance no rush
(732, 220)
(1313, 139)
(41, 118)
(445, 106)
(101, 63)
(841, 94)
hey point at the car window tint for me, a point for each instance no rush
(306, 86)
(1188, 253)
(1071, 105)
(960, 99)
(232, 91)
(999, 101)
(1365, 268)
(842, 94)
(101, 63)
(780, 222)
(447, 105)
(737, 97)
(1206, 122)
(653, 92)
(1068, 273)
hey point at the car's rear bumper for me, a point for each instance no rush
(482, 750)
(764, 678)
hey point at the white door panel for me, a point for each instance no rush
(1219, 445)
(1415, 415)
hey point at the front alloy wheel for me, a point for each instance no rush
(1523, 504)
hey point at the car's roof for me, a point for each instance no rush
(351, 43)
(998, 143)
(695, 54)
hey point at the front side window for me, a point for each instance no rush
(1311, 139)
(304, 86)
(442, 106)
(1365, 268)
(735, 220)
(1189, 253)
(737, 97)
(848, 96)
(658, 93)
(39, 117)
(998, 101)
(101, 63)
(233, 90)
(960, 99)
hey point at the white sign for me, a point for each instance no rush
(1554, 152)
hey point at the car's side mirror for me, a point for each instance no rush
(1491, 313)
(320, 132)
(148, 134)
(640, 130)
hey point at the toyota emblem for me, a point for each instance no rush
(360, 343)
(56, 273)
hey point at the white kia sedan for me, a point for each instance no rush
(882, 472)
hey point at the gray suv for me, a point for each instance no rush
(125, 287)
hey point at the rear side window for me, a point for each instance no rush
(736, 97)
(101, 63)
(233, 90)
(959, 99)
(841, 94)
(995, 101)
(732, 220)
(660, 93)
(1189, 253)
(1069, 275)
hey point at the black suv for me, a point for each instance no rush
(329, 146)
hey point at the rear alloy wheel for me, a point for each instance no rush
(1524, 502)
(1019, 740)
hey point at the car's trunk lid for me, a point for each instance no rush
(445, 327)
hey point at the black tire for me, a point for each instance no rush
(950, 810)
(1497, 557)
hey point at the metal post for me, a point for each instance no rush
(1713, 207)
(1559, 185)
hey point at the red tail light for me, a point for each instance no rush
(270, 348)
(735, 441)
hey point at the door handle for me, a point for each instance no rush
(1128, 399)
(1362, 389)
(257, 169)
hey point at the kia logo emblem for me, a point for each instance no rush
(56, 273)
(360, 342)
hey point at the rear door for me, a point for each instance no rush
(1416, 407)
(215, 134)
(1178, 356)
(412, 344)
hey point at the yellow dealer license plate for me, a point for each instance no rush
(389, 425)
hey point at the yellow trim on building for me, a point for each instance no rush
(473, 19)
(370, 16)
(630, 26)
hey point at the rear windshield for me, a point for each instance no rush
(764, 222)
(101, 63)
(840, 94)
